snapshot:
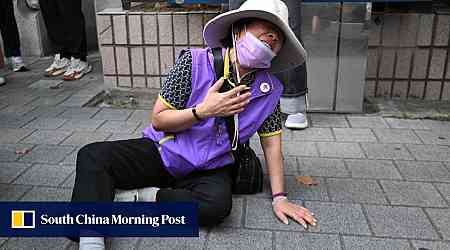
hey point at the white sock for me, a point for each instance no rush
(147, 194)
(143, 194)
(92, 243)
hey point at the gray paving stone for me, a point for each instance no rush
(412, 194)
(396, 136)
(313, 134)
(45, 84)
(140, 115)
(227, 238)
(10, 170)
(71, 158)
(47, 154)
(83, 138)
(17, 109)
(79, 113)
(404, 123)
(434, 137)
(326, 120)
(259, 215)
(2, 240)
(76, 101)
(299, 148)
(12, 135)
(122, 126)
(47, 137)
(444, 189)
(12, 192)
(299, 191)
(174, 243)
(69, 182)
(14, 121)
(123, 136)
(48, 194)
(377, 169)
(8, 151)
(46, 112)
(338, 218)
(113, 114)
(441, 218)
(404, 222)
(358, 191)
(386, 151)
(430, 152)
(46, 123)
(369, 243)
(424, 171)
(50, 100)
(323, 167)
(306, 241)
(432, 245)
(437, 125)
(121, 243)
(45, 175)
(235, 218)
(82, 125)
(340, 150)
(354, 135)
(36, 243)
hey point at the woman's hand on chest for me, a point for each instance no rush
(217, 104)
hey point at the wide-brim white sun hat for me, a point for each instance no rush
(292, 53)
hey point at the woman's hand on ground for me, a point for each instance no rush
(223, 104)
(285, 208)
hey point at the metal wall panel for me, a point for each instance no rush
(322, 52)
(353, 43)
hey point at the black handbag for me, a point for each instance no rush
(247, 170)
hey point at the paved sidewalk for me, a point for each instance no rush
(384, 183)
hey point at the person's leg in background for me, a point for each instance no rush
(10, 34)
(75, 39)
(234, 4)
(54, 23)
(293, 100)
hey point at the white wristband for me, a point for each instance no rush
(277, 199)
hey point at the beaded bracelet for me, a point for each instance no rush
(279, 194)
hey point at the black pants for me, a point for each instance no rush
(65, 25)
(8, 28)
(130, 164)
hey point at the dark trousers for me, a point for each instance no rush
(130, 164)
(8, 28)
(65, 25)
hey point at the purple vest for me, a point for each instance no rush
(206, 145)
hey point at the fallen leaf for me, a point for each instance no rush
(23, 151)
(306, 180)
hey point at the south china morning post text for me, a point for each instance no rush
(113, 219)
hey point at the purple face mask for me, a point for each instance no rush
(252, 53)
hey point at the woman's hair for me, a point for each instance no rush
(238, 27)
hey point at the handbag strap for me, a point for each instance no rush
(218, 68)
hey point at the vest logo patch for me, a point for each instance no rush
(264, 87)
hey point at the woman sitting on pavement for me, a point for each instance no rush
(185, 154)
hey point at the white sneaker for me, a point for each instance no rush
(17, 64)
(58, 67)
(296, 121)
(77, 69)
(134, 195)
(2, 81)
